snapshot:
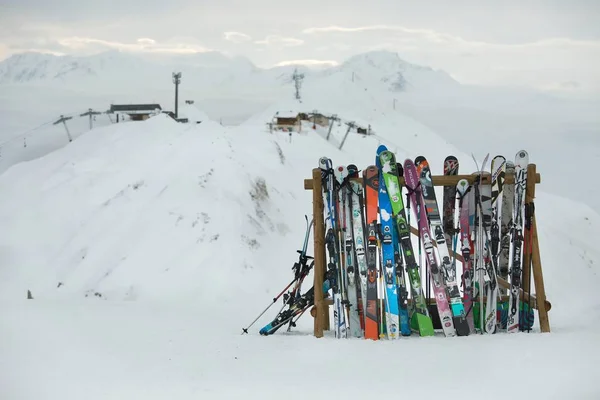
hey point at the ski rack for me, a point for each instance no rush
(320, 310)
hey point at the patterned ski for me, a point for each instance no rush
(359, 244)
(508, 196)
(414, 189)
(449, 202)
(388, 260)
(489, 196)
(464, 200)
(521, 161)
(371, 189)
(331, 241)
(448, 269)
(351, 267)
(391, 172)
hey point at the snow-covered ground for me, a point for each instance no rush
(147, 246)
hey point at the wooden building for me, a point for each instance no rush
(136, 112)
(287, 120)
(319, 119)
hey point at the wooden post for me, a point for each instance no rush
(538, 279)
(527, 244)
(535, 259)
(321, 318)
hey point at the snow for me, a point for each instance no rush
(147, 246)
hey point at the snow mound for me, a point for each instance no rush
(192, 113)
(144, 210)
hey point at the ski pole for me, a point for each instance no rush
(245, 330)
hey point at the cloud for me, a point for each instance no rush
(341, 29)
(236, 37)
(276, 40)
(87, 44)
(440, 37)
(427, 33)
(542, 61)
(146, 41)
(309, 63)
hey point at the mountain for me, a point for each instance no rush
(37, 67)
(395, 73)
(118, 67)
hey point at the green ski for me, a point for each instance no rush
(390, 175)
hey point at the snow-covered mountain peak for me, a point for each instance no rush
(380, 59)
(35, 67)
(396, 73)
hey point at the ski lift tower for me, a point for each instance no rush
(176, 81)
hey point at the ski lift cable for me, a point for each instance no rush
(22, 134)
(25, 133)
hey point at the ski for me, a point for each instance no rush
(359, 241)
(302, 304)
(449, 200)
(515, 267)
(448, 269)
(414, 189)
(508, 194)
(481, 278)
(391, 172)
(332, 244)
(491, 228)
(463, 190)
(341, 173)
(351, 267)
(371, 189)
(301, 269)
(388, 260)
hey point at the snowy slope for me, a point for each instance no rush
(180, 235)
(116, 193)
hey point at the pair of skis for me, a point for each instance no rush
(396, 247)
(345, 246)
(494, 223)
(296, 302)
(422, 195)
(443, 273)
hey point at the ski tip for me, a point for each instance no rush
(522, 154)
(381, 148)
(425, 325)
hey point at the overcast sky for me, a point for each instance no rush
(551, 43)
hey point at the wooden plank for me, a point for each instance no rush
(443, 180)
(308, 184)
(319, 249)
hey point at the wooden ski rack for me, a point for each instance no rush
(531, 252)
